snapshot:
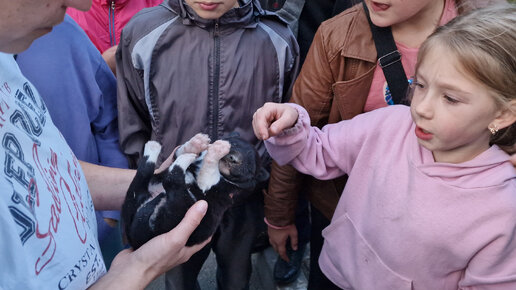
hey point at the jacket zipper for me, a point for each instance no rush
(112, 30)
(216, 77)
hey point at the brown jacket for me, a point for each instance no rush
(333, 85)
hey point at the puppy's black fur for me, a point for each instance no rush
(214, 177)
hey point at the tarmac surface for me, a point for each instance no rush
(261, 278)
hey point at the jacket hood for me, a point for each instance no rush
(239, 16)
(490, 168)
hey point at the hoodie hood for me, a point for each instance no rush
(236, 17)
(490, 168)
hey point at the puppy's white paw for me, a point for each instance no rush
(217, 150)
(197, 144)
(152, 149)
(184, 160)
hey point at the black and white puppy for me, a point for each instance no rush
(216, 172)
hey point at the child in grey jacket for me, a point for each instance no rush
(186, 67)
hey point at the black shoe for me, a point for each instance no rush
(287, 272)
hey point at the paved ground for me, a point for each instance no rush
(261, 279)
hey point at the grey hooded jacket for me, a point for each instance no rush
(179, 75)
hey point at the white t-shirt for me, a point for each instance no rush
(48, 234)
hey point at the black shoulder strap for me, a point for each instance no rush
(389, 59)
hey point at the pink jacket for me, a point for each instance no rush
(105, 20)
(405, 221)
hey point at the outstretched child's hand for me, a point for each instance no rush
(272, 118)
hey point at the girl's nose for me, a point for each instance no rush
(424, 105)
(82, 5)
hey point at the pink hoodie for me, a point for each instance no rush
(105, 20)
(405, 221)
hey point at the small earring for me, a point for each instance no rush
(493, 129)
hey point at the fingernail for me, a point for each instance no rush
(202, 206)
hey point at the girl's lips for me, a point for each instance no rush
(423, 135)
(208, 6)
(379, 6)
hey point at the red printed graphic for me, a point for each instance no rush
(5, 89)
(4, 106)
(59, 187)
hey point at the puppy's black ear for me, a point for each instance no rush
(262, 175)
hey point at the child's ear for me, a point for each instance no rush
(507, 116)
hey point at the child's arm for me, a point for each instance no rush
(310, 150)
(332, 151)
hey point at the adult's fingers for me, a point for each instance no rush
(192, 219)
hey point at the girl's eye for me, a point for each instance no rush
(415, 84)
(450, 99)
(419, 85)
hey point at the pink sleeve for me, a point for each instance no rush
(323, 153)
(332, 151)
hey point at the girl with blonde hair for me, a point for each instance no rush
(430, 201)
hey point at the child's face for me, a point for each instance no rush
(451, 111)
(386, 13)
(211, 9)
